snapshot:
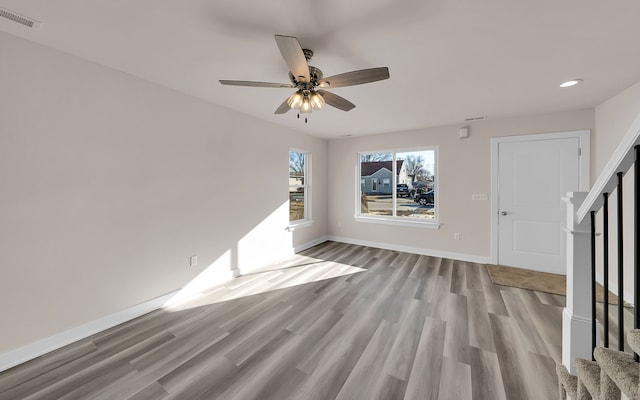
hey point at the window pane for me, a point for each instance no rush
(376, 193)
(299, 189)
(416, 170)
(296, 204)
(296, 168)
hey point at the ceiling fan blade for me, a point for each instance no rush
(294, 56)
(284, 107)
(336, 101)
(256, 84)
(355, 77)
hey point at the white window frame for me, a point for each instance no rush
(306, 221)
(395, 220)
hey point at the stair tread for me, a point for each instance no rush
(568, 381)
(633, 338)
(621, 368)
(589, 375)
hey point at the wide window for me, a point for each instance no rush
(398, 185)
(299, 186)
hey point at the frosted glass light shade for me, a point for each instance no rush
(306, 107)
(295, 100)
(317, 101)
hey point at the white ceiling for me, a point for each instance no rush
(448, 60)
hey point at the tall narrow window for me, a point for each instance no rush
(299, 186)
(398, 186)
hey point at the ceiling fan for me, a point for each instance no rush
(309, 81)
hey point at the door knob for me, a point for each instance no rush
(503, 213)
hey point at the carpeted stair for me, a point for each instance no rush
(614, 375)
(589, 373)
(620, 368)
(633, 338)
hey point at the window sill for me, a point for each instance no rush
(399, 222)
(299, 225)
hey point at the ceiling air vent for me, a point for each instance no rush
(475, 118)
(21, 19)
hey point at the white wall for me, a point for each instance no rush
(613, 118)
(464, 169)
(109, 183)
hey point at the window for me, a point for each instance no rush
(299, 187)
(398, 186)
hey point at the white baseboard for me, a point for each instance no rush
(310, 244)
(415, 250)
(244, 270)
(43, 346)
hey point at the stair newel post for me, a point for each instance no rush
(577, 315)
(605, 266)
(593, 282)
(620, 269)
(636, 238)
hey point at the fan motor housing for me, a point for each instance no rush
(315, 74)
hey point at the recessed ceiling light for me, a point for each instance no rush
(570, 83)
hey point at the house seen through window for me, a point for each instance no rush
(398, 185)
(299, 186)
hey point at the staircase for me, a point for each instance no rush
(592, 368)
(613, 375)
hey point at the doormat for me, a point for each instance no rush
(539, 281)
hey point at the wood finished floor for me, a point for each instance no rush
(337, 321)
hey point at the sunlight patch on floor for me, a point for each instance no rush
(299, 270)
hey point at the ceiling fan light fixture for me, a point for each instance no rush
(295, 100)
(317, 101)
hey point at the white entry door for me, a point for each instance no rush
(533, 176)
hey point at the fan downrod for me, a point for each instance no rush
(308, 54)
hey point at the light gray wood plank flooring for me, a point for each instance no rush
(337, 321)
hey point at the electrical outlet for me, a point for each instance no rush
(456, 236)
(193, 261)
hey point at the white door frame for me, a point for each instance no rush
(583, 171)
